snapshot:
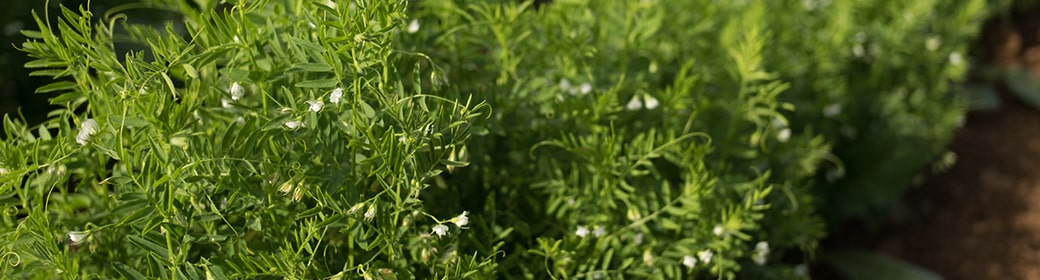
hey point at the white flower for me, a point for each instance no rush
(336, 95)
(565, 85)
(77, 236)
(586, 88)
(315, 105)
(689, 261)
(832, 110)
(761, 252)
(648, 258)
(718, 230)
(143, 90)
(236, 90)
(355, 208)
(857, 50)
(330, 3)
(651, 102)
(440, 230)
(413, 26)
(598, 231)
(293, 124)
(462, 220)
(3, 171)
(955, 58)
(225, 103)
(783, 135)
(634, 104)
(801, 271)
(240, 120)
(932, 43)
(582, 231)
(597, 274)
(86, 129)
(371, 213)
(235, 38)
(705, 256)
(638, 238)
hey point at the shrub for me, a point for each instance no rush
(446, 139)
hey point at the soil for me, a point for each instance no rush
(980, 219)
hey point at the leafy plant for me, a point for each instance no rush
(312, 139)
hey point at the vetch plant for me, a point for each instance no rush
(628, 139)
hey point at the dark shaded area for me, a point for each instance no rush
(980, 219)
(17, 88)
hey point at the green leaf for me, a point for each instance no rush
(190, 71)
(150, 246)
(314, 67)
(863, 265)
(56, 86)
(130, 122)
(307, 45)
(324, 83)
(127, 271)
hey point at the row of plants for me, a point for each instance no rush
(457, 139)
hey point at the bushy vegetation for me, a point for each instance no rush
(460, 139)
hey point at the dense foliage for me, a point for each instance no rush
(460, 139)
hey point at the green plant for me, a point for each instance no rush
(311, 139)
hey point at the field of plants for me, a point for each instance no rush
(448, 139)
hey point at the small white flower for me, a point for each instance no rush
(565, 85)
(718, 230)
(648, 258)
(582, 231)
(235, 38)
(143, 90)
(651, 102)
(809, 4)
(689, 261)
(597, 274)
(586, 88)
(705, 256)
(801, 271)
(371, 213)
(236, 90)
(330, 3)
(598, 231)
(761, 252)
(225, 103)
(857, 50)
(315, 105)
(336, 95)
(462, 220)
(355, 208)
(77, 236)
(240, 120)
(832, 110)
(403, 139)
(783, 135)
(3, 171)
(932, 43)
(638, 238)
(634, 104)
(293, 124)
(413, 26)
(440, 230)
(955, 58)
(86, 129)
